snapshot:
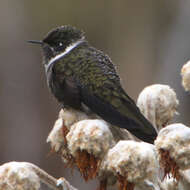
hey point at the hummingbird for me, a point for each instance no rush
(80, 75)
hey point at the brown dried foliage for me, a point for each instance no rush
(103, 185)
(124, 184)
(68, 157)
(88, 165)
(65, 131)
(168, 164)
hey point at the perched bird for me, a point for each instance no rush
(79, 74)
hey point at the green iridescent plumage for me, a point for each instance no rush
(85, 75)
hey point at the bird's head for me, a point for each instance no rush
(58, 39)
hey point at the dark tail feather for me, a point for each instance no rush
(145, 131)
(138, 126)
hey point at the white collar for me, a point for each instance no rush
(65, 52)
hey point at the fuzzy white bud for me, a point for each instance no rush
(18, 176)
(92, 136)
(134, 160)
(71, 116)
(175, 139)
(55, 138)
(158, 103)
(185, 73)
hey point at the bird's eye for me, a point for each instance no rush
(60, 44)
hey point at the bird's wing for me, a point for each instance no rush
(103, 94)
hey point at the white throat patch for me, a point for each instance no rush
(67, 50)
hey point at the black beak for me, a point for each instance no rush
(35, 42)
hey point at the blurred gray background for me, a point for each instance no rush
(148, 40)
